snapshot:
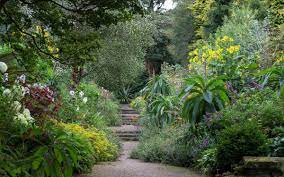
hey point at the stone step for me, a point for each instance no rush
(130, 111)
(128, 135)
(130, 115)
(130, 123)
(130, 119)
(129, 138)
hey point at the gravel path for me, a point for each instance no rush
(126, 167)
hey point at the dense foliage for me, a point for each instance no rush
(231, 95)
(65, 66)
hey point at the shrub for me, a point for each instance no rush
(207, 160)
(109, 110)
(79, 104)
(245, 139)
(277, 145)
(158, 85)
(40, 100)
(139, 104)
(104, 149)
(163, 110)
(49, 152)
(263, 107)
(163, 145)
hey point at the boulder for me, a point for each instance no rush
(261, 167)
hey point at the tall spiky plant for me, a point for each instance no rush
(202, 95)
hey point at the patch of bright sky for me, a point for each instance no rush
(169, 4)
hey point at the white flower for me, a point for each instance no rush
(24, 118)
(6, 92)
(27, 113)
(22, 78)
(81, 94)
(85, 99)
(78, 108)
(3, 67)
(72, 93)
(6, 77)
(17, 106)
(26, 91)
(35, 85)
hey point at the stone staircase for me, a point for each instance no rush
(130, 129)
(129, 115)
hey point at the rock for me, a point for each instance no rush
(261, 166)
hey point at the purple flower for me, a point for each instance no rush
(204, 143)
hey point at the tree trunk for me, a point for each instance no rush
(77, 74)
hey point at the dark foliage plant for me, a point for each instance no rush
(245, 139)
(40, 100)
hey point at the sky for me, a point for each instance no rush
(169, 4)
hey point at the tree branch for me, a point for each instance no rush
(2, 3)
(30, 35)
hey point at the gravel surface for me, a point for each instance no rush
(126, 167)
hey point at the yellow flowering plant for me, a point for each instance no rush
(103, 148)
(218, 57)
(45, 35)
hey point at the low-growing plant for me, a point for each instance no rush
(163, 145)
(124, 95)
(207, 161)
(274, 75)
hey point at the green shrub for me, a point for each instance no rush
(163, 110)
(162, 145)
(158, 85)
(244, 139)
(86, 105)
(207, 161)
(49, 152)
(109, 110)
(263, 107)
(79, 104)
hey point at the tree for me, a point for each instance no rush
(120, 60)
(182, 31)
(159, 53)
(63, 31)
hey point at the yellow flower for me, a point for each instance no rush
(233, 49)
(104, 149)
(38, 28)
(195, 52)
(280, 59)
(46, 34)
(227, 39)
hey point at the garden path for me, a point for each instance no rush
(126, 167)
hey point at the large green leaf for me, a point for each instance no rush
(208, 97)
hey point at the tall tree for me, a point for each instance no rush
(159, 53)
(182, 30)
(64, 31)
